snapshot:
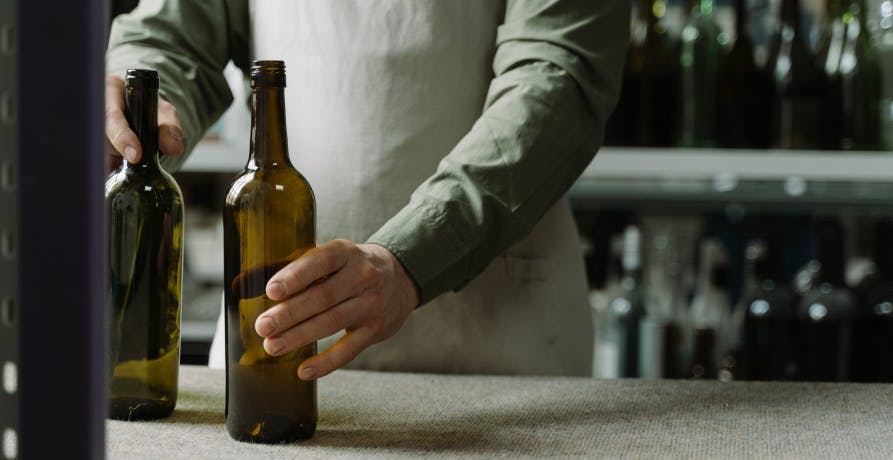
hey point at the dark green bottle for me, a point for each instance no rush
(269, 219)
(830, 49)
(658, 98)
(798, 82)
(702, 63)
(860, 82)
(745, 91)
(145, 260)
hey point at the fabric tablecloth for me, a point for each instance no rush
(392, 415)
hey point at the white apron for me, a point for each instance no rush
(378, 92)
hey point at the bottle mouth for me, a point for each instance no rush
(141, 78)
(267, 73)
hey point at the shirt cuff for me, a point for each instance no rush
(431, 251)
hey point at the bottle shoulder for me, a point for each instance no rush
(828, 302)
(284, 181)
(158, 185)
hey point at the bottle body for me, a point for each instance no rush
(745, 92)
(658, 79)
(827, 312)
(768, 320)
(702, 63)
(269, 220)
(799, 83)
(145, 259)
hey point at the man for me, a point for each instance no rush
(440, 137)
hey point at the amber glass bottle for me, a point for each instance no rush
(269, 220)
(145, 260)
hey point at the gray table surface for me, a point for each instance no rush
(392, 415)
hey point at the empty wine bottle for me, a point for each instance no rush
(826, 312)
(860, 82)
(701, 60)
(623, 311)
(872, 356)
(658, 98)
(269, 220)
(769, 307)
(745, 91)
(621, 126)
(885, 57)
(145, 260)
(709, 310)
(798, 83)
(830, 50)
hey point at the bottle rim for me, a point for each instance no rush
(142, 78)
(267, 73)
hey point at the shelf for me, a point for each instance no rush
(676, 176)
(701, 177)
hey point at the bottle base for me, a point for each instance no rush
(132, 409)
(272, 430)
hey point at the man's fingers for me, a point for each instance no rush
(170, 135)
(338, 355)
(323, 325)
(348, 282)
(314, 265)
(117, 130)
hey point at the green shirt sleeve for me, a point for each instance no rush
(557, 68)
(189, 43)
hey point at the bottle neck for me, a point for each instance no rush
(742, 19)
(790, 14)
(834, 10)
(141, 110)
(269, 143)
(705, 8)
(653, 12)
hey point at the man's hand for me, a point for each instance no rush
(361, 288)
(122, 141)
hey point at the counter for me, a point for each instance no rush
(373, 414)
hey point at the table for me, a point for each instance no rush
(364, 414)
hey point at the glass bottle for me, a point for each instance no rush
(621, 126)
(658, 97)
(745, 91)
(872, 357)
(885, 53)
(269, 220)
(710, 310)
(827, 312)
(860, 84)
(798, 83)
(624, 310)
(145, 261)
(701, 60)
(769, 306)
(830, 50)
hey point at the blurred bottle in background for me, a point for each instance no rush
(827, 312)
(860, 83)
(872, 356)
(745, 91)
(621, 127)
(828, 56)
(798, 82)
(621, 315)
(768, 306)
(663, 351)
(658, 92)
(702, 61)
(885, 57)
(710, 310)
